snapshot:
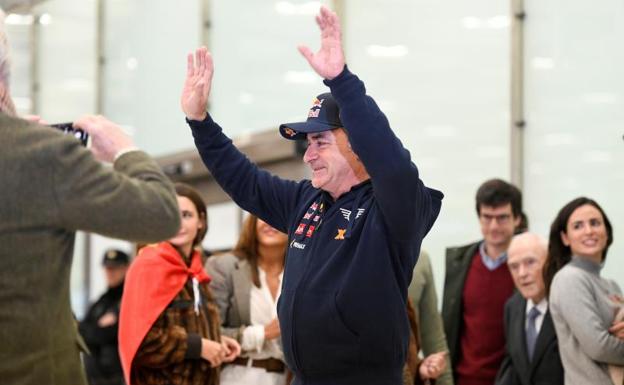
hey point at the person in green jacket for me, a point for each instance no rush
(52, 187)
(423, 294)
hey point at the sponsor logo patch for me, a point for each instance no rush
(290, 132)
(347, 213)
(341, 234)
(297, 245)
(316, 103)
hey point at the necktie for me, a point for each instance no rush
(531, 333)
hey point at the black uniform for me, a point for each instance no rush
(103, 365)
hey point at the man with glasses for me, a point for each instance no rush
(478, 284)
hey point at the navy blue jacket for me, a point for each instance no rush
(342, 309)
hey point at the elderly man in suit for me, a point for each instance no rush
(532, 351)
(52, 186)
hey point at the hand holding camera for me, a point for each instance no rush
(107, 138)
(68, 129)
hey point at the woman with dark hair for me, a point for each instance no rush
(583, 305)
(169, 324)
(246, 285)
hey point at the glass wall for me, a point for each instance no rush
(66, 59)
(575, 113)
(145, 46)
(260, 79)
(439, 69)
(20, 31)
(441, 74)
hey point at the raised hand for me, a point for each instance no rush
(197, 85)
(329, 61)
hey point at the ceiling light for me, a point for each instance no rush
(387, 51)
(17, 19)
(45, 19)
(543, 63)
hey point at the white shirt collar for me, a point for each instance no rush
(542, 305)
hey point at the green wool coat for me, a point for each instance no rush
(51, 187)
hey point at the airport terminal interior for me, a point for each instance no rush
(524, 90)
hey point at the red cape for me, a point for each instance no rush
(154, 278)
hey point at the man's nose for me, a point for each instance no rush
(493, 223)
(522, 271)
(309, 154)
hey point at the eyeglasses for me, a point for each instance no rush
(500, 219)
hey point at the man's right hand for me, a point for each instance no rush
(212, 352)
(197, 85)
(272, 330)
(107, 138)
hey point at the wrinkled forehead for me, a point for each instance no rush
(314, 136)
(337, 134)
(525, 246)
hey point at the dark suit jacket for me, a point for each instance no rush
(458, 261)
(52, 187)
(546, 367)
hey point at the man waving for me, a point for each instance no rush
(354, 229)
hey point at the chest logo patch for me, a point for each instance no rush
(341, 234)
(347, 213)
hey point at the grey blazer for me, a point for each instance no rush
(230, 285)
(51, 187)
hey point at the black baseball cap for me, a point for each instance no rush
(113, 258)
(324, 115)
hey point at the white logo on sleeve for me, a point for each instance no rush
(347, 213)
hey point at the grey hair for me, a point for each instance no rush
(5, 58)
(539, 241)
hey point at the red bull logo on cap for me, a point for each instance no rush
(317, 103)
(316, 108)
(290, 132)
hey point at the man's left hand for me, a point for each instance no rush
(329, 61)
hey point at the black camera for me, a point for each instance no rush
(67, 128)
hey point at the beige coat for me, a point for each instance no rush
(50, 186)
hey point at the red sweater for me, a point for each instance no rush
(482, 335)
